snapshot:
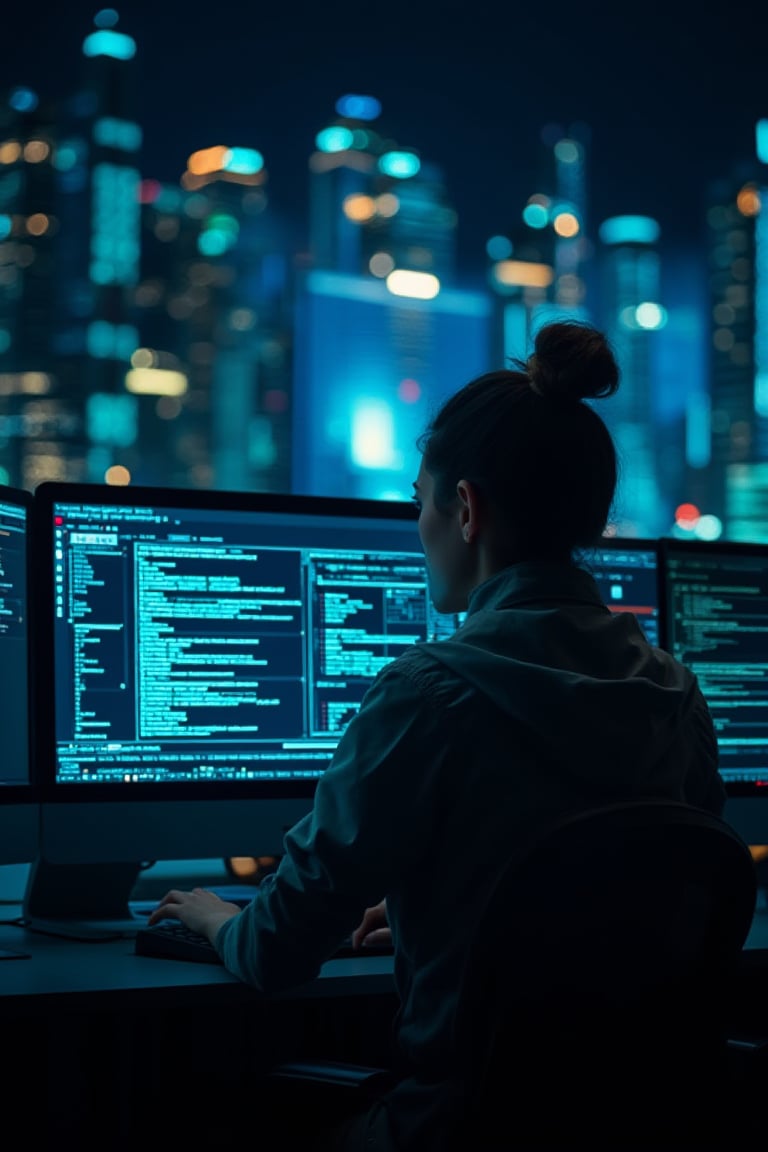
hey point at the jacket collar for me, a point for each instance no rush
(534, 582)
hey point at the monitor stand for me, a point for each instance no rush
(81, 901)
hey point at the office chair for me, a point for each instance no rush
(594, 1002)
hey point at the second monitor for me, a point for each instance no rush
(717, 624)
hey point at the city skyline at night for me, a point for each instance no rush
(669, 99)
(191, 320)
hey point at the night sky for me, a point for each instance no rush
(670, 95)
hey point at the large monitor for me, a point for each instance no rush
(19, 808)
(200, 654)
(717, 624)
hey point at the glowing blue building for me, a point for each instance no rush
(382, 333)
(632, 315)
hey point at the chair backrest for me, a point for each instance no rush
(597, 985)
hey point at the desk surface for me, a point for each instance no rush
(66, 973)
(61, 972)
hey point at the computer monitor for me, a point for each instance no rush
(626, 570)
(200, 655)
(19, 807)
(717, 623)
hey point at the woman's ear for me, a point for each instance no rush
(469, 509)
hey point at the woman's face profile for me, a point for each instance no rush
(444, 547)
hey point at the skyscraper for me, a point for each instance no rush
(382, 332)
(632, 314)
(98, 253)
(737, 227)
(34, 417)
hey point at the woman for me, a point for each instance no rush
(542, 702)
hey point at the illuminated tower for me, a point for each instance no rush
(215, 304)
(98, 251)
(537, 271)
(737, 224)
(32, 417)
(631, 317)
(382, 333)
(374, 205)
(568, 214)
(342, 170)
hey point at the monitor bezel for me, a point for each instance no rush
(20, 802)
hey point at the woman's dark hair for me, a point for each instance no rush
(540, 455)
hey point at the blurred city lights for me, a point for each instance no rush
(629, 230)
(523, 274)
(687, 516)
(355, 107)
(400, 165)
(117, 475)
(419, 285)
(373, 432)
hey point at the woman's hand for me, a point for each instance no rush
(200, 910)
(374, 928)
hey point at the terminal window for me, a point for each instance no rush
(217, 646)
(718, 625)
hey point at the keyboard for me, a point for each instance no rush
(172, 940)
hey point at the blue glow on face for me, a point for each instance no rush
(106, 42)
(401, 165)
(358, 107)
(337, 138)
(629, 230)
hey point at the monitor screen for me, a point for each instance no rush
(19, 812)
(626, 570)
(717, 624)
(201, 654)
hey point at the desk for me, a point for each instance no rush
(74, 974)
(100, 1045)
(97, 1040)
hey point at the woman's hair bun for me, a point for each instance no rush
(572, 361)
